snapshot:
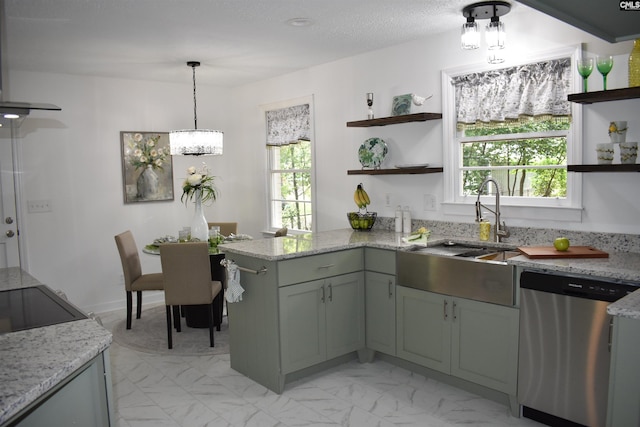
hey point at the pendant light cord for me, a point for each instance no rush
(195, 114)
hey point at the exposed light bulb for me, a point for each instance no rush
(470, 38)
(495, 35)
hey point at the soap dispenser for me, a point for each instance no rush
(398, 219)
(406, 220)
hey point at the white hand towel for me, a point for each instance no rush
(234, 290)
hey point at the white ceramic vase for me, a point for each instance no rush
(199, 226)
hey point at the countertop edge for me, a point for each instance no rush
(93, 338)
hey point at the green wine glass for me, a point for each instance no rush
(604, 64)
(585, 67)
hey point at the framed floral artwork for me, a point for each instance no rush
(147, 167)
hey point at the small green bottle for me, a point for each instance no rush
(634, 64)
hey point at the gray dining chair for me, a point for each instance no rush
(187, 281)
(134, 280)
(226, 228)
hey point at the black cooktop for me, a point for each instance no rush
(34, 307)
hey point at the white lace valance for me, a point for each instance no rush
(516, 94)
(288, 125)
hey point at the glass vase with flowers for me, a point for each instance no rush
(199, 187)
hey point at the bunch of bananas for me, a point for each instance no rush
(361, 197)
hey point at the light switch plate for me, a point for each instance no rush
(38, 206)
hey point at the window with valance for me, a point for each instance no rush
(290, 162)
(513, 124)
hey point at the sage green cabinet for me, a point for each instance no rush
(83, 399)
(423, 328)
(624, 375)
(380, 307)
(484, 345)
(380, 300)
(472, 340)
(320, 320)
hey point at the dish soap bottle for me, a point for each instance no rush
(398, 219)
(634, 64)
(406, 220)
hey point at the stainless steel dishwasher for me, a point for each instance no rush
(563, 371)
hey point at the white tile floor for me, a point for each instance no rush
(158, 390)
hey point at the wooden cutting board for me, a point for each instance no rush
(573, 252)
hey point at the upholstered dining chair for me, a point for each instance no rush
(187, 281)
(226, 228)
(134, 280)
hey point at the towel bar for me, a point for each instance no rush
(248, 270)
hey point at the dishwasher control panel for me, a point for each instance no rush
(577, 286)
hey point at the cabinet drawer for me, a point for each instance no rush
(319, 266)
(380, 260)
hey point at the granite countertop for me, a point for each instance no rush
(620, 266)
(36, 360)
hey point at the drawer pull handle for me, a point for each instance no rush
(330, 292)
(322, 299)
(390, 288)
(326, 266)
(445, 309)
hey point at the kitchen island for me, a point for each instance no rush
(317, 300)
(53, 373)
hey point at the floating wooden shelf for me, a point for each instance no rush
(604, 168)
(605, 95)
(395, 171)
(393, 120)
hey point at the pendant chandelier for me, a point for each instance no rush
(495, 34)
(195, 141)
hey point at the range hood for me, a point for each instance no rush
(13, 112)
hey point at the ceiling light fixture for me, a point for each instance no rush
(195, 141)
(495, 32)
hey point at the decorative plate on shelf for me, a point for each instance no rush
(372, 152)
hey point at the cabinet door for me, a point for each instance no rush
(302, 325)
(82, 401)
(380, 312)
(345, 314)
(423, 328)
(484, 349)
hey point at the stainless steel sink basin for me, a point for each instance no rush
(501, 256)
(477, 273)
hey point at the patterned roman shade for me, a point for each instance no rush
(528, 92)
(288, 125)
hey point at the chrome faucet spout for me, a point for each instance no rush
(500, 229)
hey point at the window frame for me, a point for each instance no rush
(270, 170)
(568, 208)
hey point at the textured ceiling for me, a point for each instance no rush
(237, 41)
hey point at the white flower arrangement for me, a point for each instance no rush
(199, 180)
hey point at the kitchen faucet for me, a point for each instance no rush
(500, 230)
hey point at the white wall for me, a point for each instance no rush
(73, 157)
(339, 88)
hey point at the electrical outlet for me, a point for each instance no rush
(387, 200)
(429, 202)
(38, 206)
